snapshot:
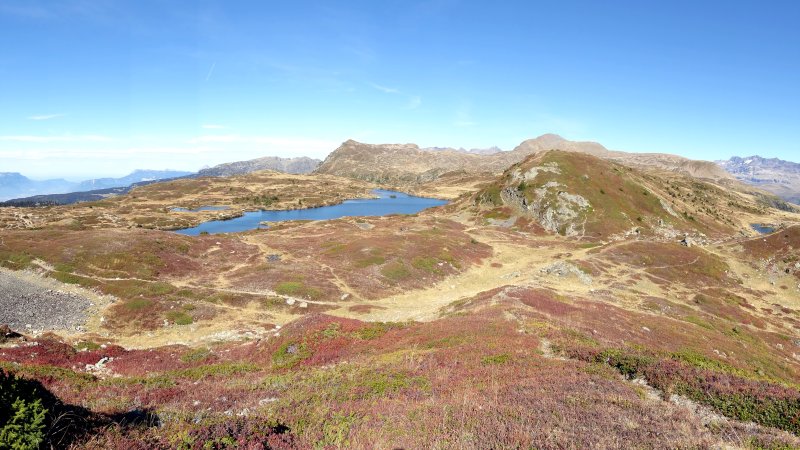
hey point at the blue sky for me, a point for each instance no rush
(101, 87)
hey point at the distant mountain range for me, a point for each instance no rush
(137, 176)
(18, 190)
(408, 163)
(15, 185)
(780, 177)
(298, 165)
(403, 163)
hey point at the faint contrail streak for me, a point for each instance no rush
(211, 70)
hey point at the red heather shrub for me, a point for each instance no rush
(542, 300)
(143, 362)
(762, 402)
(251, 434)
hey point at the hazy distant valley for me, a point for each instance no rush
(14, 185)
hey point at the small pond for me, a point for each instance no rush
(763, 229)
(388, 202)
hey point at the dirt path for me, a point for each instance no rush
(517, 265)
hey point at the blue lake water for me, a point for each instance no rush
(763, 229)
(388, 202)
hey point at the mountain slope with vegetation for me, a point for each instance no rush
(566, 294)
(576, 194)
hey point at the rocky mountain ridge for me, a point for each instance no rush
(778, 176)
(392, 163)
(298, 165)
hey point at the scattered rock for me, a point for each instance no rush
(100, 366)
(6, 334)
(563, 269)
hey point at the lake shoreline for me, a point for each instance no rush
(384, 202)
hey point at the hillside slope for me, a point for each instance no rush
(554, 301)
(577, 194)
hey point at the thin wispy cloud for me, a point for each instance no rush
(115, 153)
(212, 126)
(51, 139)
(290, 142)
(414, 102)
(45, 116)
(384, 89)
(211, 71)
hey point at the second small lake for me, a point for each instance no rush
(388, 202)
(763, 229)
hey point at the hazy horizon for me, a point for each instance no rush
(78, 177)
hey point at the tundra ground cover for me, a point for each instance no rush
(526, 338)
(331, 382)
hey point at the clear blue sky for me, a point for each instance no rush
(96, 87)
